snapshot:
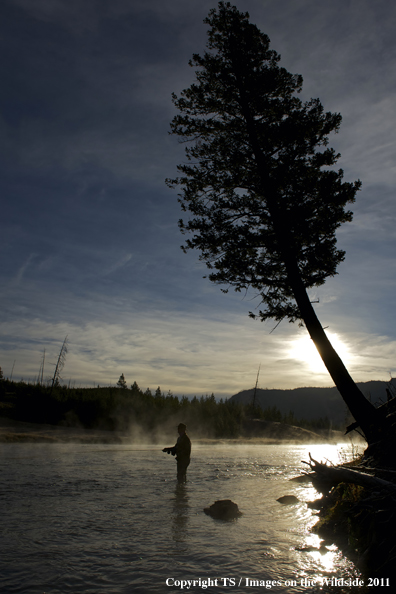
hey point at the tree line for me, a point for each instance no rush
(121, 408)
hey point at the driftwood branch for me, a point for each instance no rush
(336, 475)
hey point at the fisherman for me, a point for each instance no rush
(182, 451)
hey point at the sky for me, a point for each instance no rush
(89, 240)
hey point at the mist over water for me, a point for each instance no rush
(92, 519)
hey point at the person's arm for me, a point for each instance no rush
(170, 450)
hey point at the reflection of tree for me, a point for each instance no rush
(181, 509)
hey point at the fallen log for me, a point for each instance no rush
(335, 475)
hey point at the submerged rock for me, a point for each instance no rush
(288, 500)
(224, 509)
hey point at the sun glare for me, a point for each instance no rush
(304, 350)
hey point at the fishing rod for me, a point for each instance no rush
(58, 453)
(153, 449)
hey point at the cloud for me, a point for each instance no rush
(366, 356)
(91, 245)
(21, 271)
(123, 261)
(185, 353)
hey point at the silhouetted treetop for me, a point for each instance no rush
(122, 382)
(257, 183)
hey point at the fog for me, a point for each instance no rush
(12, 431)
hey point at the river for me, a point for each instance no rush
(110, 519)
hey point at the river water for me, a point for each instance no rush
(110, 519)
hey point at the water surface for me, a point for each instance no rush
(93, 519)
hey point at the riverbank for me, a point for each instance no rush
(12, 431)
(357, 512)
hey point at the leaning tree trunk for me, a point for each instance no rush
(364, 413)
(361, 409)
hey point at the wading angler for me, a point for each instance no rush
(182, 451)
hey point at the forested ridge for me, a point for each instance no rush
(120, 408)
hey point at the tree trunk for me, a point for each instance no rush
(361, 409)
(364, 413)
(334, 475)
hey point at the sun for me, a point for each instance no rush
(303, 349)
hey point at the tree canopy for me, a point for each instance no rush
(122, 382)
(257, 182)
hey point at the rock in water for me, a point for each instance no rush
(288, 500)
(224, 509)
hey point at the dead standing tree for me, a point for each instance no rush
(40, 377)
(263, 200)
(59, 364)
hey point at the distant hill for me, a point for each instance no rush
(313, 403)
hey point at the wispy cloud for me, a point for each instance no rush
(123, 261)
(91, 247)
(19, 275)
(188, 354)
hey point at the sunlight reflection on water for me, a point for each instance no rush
(108, 519)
